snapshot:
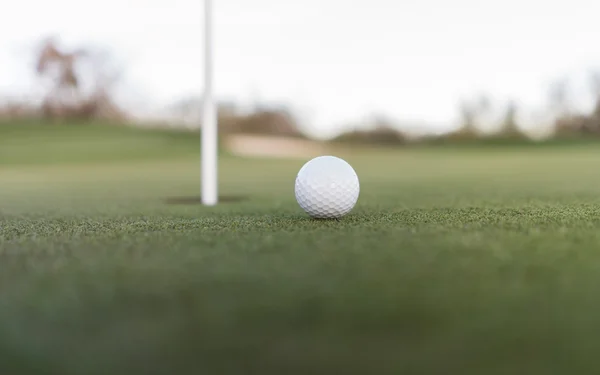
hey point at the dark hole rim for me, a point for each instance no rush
(191, 200)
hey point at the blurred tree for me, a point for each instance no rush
(510, 126)
(595, 88)
(558, 98)
(468, 116)
(591, 124)
(66, 95)
(560, 108)
(472, 112)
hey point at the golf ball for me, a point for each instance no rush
(327, 187)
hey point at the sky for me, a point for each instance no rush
(333, 62)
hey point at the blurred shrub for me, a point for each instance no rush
(16, 111)
(460, 135)
(578, 126)
(380, 135)
(263, 122)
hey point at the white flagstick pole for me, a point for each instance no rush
(209, 124)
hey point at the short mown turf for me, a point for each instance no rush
(453, 262)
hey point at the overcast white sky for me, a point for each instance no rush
(334, 61)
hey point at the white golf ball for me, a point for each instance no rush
(327, 187)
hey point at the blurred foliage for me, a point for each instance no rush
(381, 135)
(266, 121)
(382, 132)
(71, 96)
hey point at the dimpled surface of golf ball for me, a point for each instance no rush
(327, 187)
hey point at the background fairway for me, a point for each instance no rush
(455, 261)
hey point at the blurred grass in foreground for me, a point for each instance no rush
(467, 261)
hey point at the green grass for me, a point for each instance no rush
(453, 262)
(31, 143)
